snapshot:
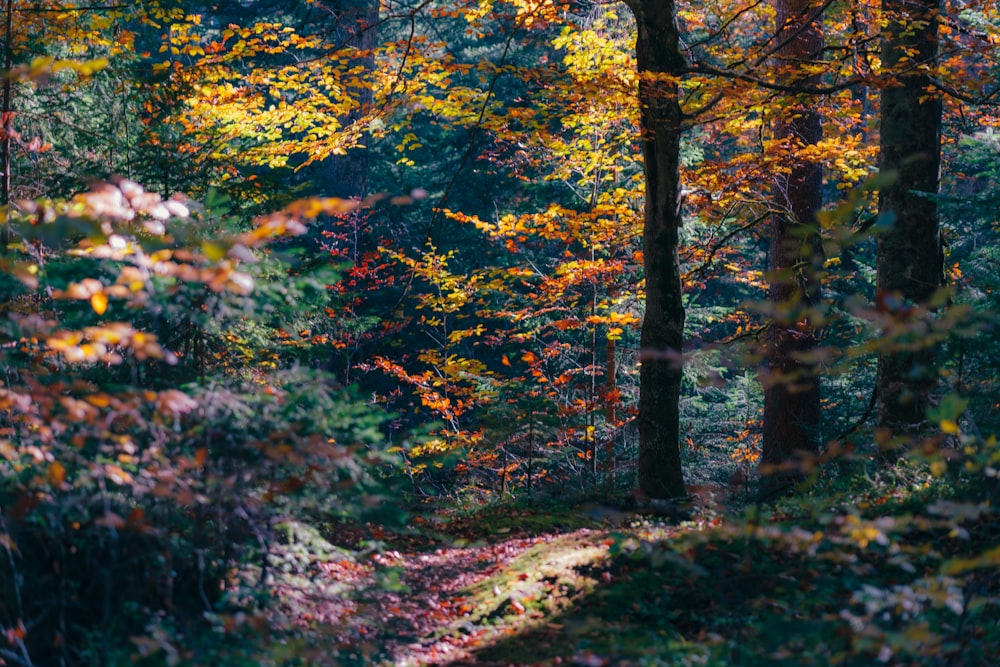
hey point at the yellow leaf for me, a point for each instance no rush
(988, 559)
(91, 66)
(213, 251)
(938, 468)
(99, 302)
(949, 427)
(26, 273)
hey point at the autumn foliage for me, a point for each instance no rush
(275, 264)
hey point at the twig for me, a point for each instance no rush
(864, 416)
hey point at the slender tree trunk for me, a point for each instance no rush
(346, 176)
(353, 28)
(658, 54)
(356, 20)
(791, 386)
(909, 253)
(610, 417)
(8, 59)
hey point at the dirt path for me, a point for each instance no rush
(432, 603)
(427, 624)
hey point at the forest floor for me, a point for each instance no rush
(592, 586)
(497, 589)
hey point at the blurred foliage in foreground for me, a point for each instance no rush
(151, 435)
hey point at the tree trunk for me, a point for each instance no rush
(355, 28)
(791, 386)
(8, 50)
(657, 54)
(909, 253)
(352, 27)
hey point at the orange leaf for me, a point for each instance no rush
(99, 302)
(99, 400)
(56, 474)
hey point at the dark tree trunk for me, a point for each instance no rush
(355, 28)
(8, 50)
(791, 386)
(909, 253)
(658, 53)
(352, 25)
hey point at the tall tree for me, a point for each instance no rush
(8, 51)
(909, 259)
(791, 386)
(355, 28)
(660, 63)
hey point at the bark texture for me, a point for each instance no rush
(909, 253)
(791, 385)
(660, 64)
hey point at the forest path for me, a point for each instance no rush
(440, 598)
(550, 588)
(441, 616)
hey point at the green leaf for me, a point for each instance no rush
(947, 411)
